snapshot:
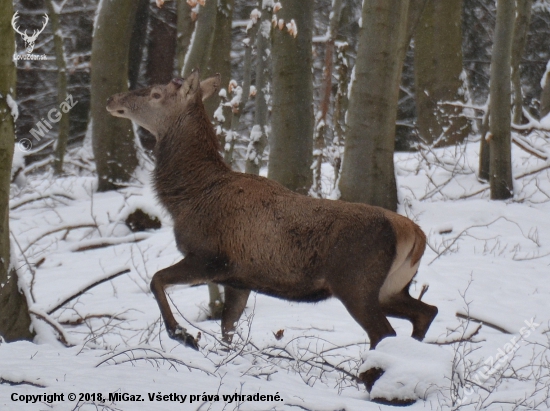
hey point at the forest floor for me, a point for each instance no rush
(487, 266)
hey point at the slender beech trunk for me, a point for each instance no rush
(185, 28)
(416, 10)
(500, 116)
(521, 28)
(484, 152)
(14, 313)
(250, 40)
(368, 171)
(321, 117)
(137, 43)
(219, 55)
(162, 44)
(340, 109)
(437, 68)
(259, 135)
(201, 41)
(291, 141)
(63, 124)
(545, 95)
(112, 137)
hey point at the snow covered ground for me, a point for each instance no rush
(486, 260)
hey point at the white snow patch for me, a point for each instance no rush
(545, 75)
(12, 104)
(412, 369)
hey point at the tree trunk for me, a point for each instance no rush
(219, 55)
(112, 137)
(137, 43)
(15, 321)
(161, 46)
(438, 68)
(368, 171)
(258, 136)
(484, 152)
(545, 95)
(291, 142)
(201, 41)
(185, 28)
(63, 130)
(321, 116)
(500, 117)
(521, 27)
(416, 10)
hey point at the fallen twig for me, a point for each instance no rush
(108, 242)
(81, 320)
(530, 173)
(22, 382)
(129, 355)
(524, 145)
(466, 338)
(58, 229)
(488, 324)
(78, 294)
(62, 337)
(52, 196)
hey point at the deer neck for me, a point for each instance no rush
(188, 162)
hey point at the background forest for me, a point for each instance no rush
(435, 109)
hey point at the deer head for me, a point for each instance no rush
(154, 108)
(29, 40)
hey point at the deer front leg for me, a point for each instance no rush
(234, 305)
(188, 271)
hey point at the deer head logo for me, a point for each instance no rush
(29, 40)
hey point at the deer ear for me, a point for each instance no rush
(191, 84)
(210, 86)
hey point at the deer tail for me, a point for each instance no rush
(419, 246)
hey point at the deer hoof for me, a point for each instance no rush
(370, 376)
(181, 335)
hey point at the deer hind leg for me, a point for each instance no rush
(235, 302)
(420, 314)
(368, 313)
(372, 318)
(188, 271)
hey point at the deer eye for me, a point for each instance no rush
(156, 96)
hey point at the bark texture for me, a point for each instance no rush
(219, 55)
(137, 42)
(521, 27)
(500, 116)
(112, 138)
(291, 140)
(321, 117)
(15, 321)
(545, 95)
(162, 44)
(368, 171)
(438, 67)
(258, 139)
(63, 130)
(201, 41)
(185, 28)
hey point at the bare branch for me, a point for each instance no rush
(78, 294)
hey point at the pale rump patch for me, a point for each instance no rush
(411, 242)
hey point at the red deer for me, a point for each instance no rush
(250, 233)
